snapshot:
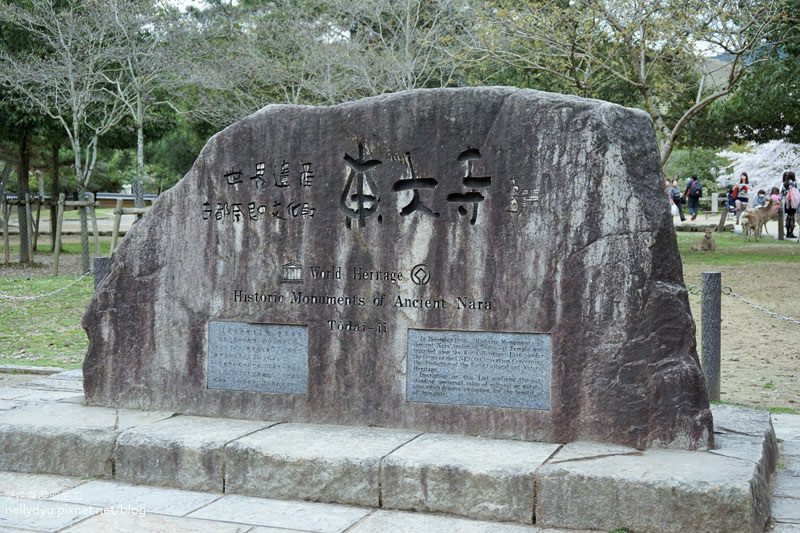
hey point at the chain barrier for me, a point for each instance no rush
(44, 294)
(728, 291)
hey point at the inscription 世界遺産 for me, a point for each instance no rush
(269, 358)
(479, 368)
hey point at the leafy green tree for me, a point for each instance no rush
(648, 53)
(764, 106)
(69, 82)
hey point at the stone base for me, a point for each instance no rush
(580, 485)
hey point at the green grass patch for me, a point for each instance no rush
(45, 331)
(43, 246)
(768, 385)
(733, 250)
(782, 410)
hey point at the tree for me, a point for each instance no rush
(143, 35)
(394, 45)
(69, 82)
(319, 52)
(654, 50)
(764, 105)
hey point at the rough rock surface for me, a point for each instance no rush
(571, 238)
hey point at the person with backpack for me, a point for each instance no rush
(791, 205)
(677, 198)
(693, 193)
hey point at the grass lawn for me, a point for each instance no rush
(733, 250)
(47, 331)
(43, 246)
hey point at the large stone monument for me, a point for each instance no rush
(488, 261)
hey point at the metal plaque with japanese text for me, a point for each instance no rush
(257, 357)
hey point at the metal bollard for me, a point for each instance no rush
(711, 319)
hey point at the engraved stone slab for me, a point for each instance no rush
(422, 210)
(258, 357)
(479, 368)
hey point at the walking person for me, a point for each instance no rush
(694, 190)
(677, 198)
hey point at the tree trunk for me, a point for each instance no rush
(55, 189)
(84, 232)
(138, 185)
(23, 170)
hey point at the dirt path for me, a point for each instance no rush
(760, 354)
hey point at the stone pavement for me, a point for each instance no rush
(68, 467)
(786, 485)
(35, 502)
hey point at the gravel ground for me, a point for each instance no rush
(760, 354)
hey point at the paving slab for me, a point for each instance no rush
(578, 451)
(405, 522)
(184, 451)
(11, 393)
(29, 369)
(762, 451)
(64, 438)
(50, 383)
(76, 373)
(5, 405)
(41, 395)
(787, 427)
(784, 528)
(741, 420)
(264, 529)
(337, 464)
(786, 486)
(475, 477)
(786, 510)
(307, 516)
(35, 486)
(40, 515)
(656, 491)
(153, 523)
(790, 448)
(137, 499)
